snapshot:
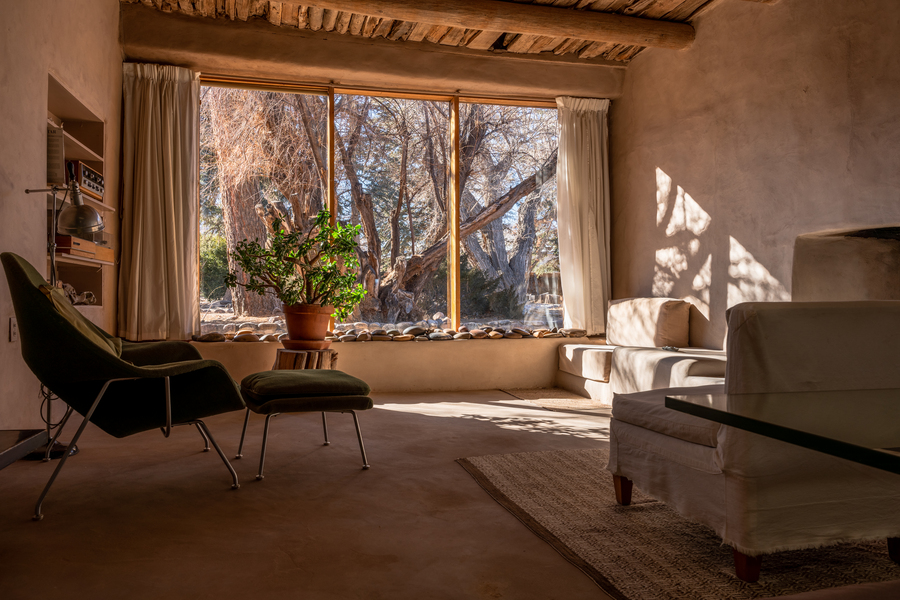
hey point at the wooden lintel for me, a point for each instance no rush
(532, 19)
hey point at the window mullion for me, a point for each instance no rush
(453, 299)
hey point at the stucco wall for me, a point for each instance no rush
(781, 119)
(78, 43)
(420, 366)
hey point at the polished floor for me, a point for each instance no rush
(148, 517)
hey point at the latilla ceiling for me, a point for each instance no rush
(614, 30)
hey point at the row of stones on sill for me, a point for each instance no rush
(425, 334)
(395, 335)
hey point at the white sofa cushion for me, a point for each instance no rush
(648, 410)
(591, 361)
(648, 322)
(778, 347)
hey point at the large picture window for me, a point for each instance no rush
(265, 155)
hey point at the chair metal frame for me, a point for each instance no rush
(166, 430)
(262, 455)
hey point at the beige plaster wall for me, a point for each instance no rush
(419, 366)
(77, 42)
(781, 119)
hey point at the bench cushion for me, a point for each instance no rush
(304, 390)
(591, 361)
(648, 410)
(648, 322)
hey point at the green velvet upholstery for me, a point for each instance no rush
(311, 390)
(75, 368)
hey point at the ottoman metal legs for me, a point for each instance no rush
(265, 439)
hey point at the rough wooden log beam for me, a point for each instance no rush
(531, 19)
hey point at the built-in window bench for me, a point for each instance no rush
(412, 366)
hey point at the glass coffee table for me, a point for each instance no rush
(862, 426)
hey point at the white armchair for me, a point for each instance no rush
(835, 367)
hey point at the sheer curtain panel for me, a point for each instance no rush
(158, 276)
(583, 211)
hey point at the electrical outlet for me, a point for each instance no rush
(13, 330)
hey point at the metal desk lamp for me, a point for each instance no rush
(77, 219)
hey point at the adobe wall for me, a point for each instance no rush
(781, 119)
(79, 43)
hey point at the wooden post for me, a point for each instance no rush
(453, 248)
(331, 195)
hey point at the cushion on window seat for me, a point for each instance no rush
(591, 361)
(648, 410)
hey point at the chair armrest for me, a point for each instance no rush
(157, 353)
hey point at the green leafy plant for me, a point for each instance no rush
(316, 267)
(213, 266)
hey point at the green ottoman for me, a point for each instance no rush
(271, 393)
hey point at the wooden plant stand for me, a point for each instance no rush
(305, 359)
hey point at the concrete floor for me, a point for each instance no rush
(148, 517)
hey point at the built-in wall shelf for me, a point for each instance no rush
(84, 137)
(80, 260)
(75, 150)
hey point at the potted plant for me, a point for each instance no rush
(312, 273)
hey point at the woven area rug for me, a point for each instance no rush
(646, 551)
(557, 399)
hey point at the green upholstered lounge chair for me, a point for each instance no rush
(123, 388)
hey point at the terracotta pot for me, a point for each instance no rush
(306, 325)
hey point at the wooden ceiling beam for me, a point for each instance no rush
(529, 19)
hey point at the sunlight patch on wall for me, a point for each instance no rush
(670, 263)
(750, 280)
(684, 220)
(701, 284)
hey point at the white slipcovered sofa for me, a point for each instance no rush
(633, 360)
(832, 368)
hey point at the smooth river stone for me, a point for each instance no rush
(495, 335)
(378, 332)
(402, 338)
(394, 332)
(214, 336)
(462, 335)
(450, 331)
(479, 333)
(415, 330)
(463, 329)
(376, 337)
(520, 331)
(422, 338)
(365, 336)
(512, 335)
(487, 329)
(553, 335)
(439, 335)
(573, 332)
(348, 338)
(246, 337)
(269, 337)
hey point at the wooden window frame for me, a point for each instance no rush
(454, 247)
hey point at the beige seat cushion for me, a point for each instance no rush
(591, 361)
(648, 410)
(648, 322)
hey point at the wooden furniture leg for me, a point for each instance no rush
(747, 567)
(623, 487)
(894, 549)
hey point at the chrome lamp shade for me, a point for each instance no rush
(79, 219)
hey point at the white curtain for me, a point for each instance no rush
(582, 177)
(159, 271)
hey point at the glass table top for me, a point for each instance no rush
(858, 425)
